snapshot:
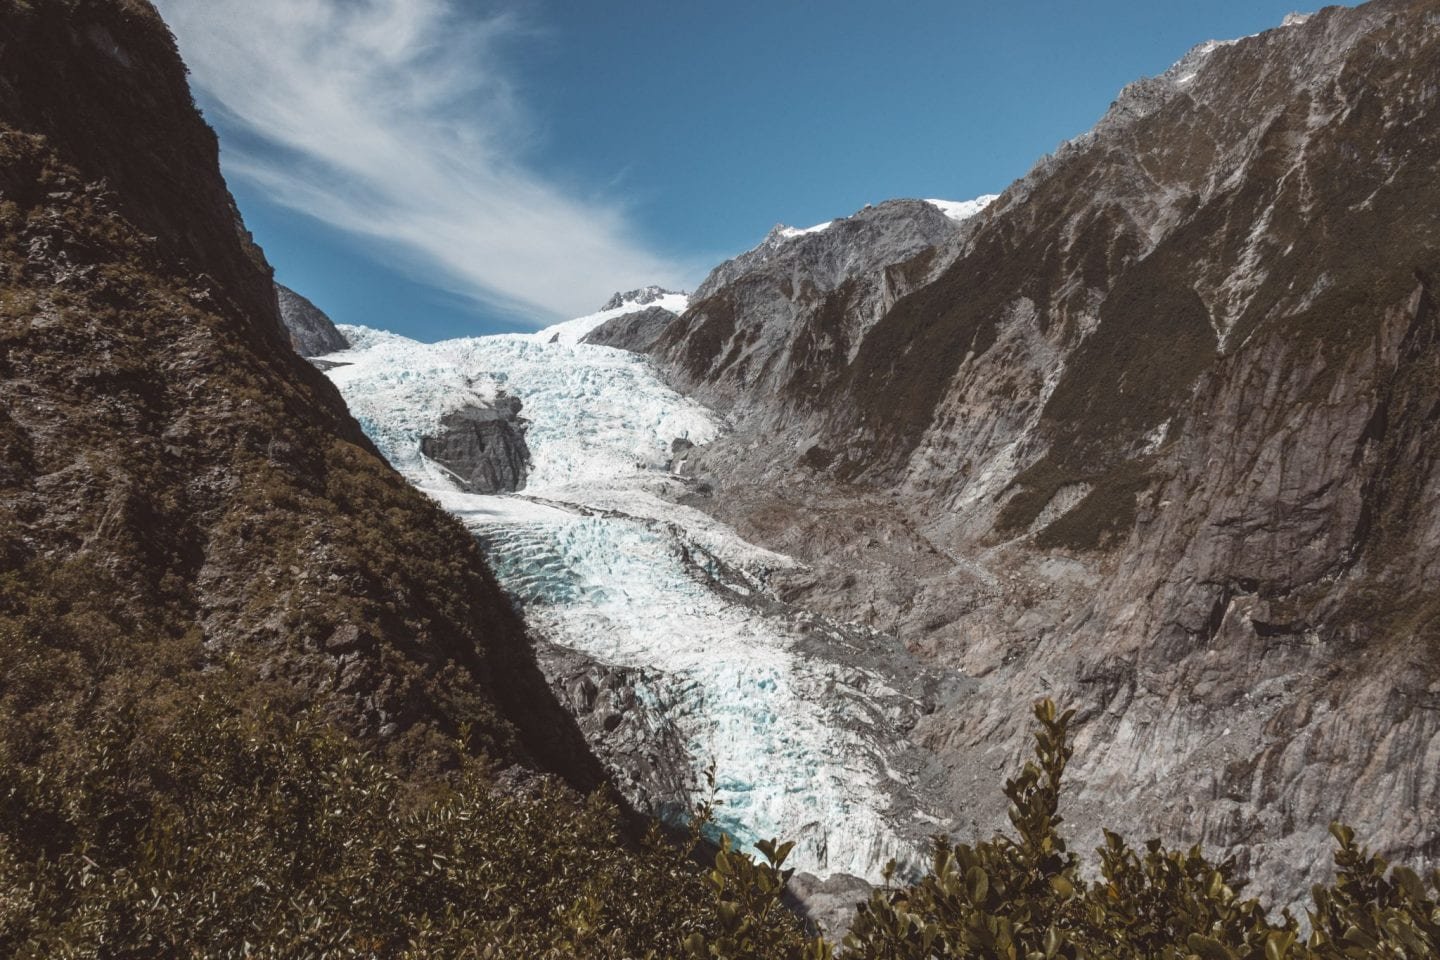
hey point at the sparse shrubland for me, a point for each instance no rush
(240, 832)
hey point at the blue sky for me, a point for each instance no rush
(450, 167)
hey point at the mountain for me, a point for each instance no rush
(185, 501)
(636, 332)
(171, 465)
(1154, 433)
(765, 329)
(258, 695)
(312, 333)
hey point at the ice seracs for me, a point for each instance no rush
(804, 721)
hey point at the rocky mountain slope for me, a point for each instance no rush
(778, 321)
(181, 496)
(636, 332)
(311, 331)
(1154, 434)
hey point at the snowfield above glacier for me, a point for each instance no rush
(595, 413)
(802, 720)
(962, 210)
(571, 332)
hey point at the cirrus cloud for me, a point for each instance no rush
(397, 122)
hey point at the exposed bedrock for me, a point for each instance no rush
(636, 332)
(624, 713)
(482, 447)
(311, 331)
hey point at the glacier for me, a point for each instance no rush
(803, 721)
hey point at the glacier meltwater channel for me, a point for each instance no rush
(806, 740)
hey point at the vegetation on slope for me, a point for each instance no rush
(234, 832)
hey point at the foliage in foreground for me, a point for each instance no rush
(1025, 899)
(258, 836)
(245, 834)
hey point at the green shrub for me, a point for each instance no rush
(247, 834)
(233, 831)
(1024, 899)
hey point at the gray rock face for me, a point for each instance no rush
(640, 298)
(312, 333)
(776, 323)
(623, 715)
(636, 332)
(483, 448)
(830, 903)
(1155, 437)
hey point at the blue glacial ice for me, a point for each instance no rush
(803, 724)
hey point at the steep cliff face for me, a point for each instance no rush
(1157, 436)
(312, 333)
(782, 320)
(637, 332)
(183, 500)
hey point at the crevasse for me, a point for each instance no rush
(804, 745)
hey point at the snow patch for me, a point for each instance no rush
(789, 233)
(962, 210)
(571, 332)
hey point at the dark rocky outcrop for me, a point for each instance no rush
(312, 333)
(483, 448)
(623, 714)
(830, 904)
(184, 502)
(636, 332)
(1156, 436)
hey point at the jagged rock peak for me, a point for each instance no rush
(837, 247)
(311, 331)
(640, 298)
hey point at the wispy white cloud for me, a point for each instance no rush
(397, 121)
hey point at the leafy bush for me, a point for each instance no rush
(1025, 898)
(234, 832)
(247, 834)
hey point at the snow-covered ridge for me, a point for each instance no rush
(957, 210)
(1187, 68)
(790, 233)
(962, 210)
